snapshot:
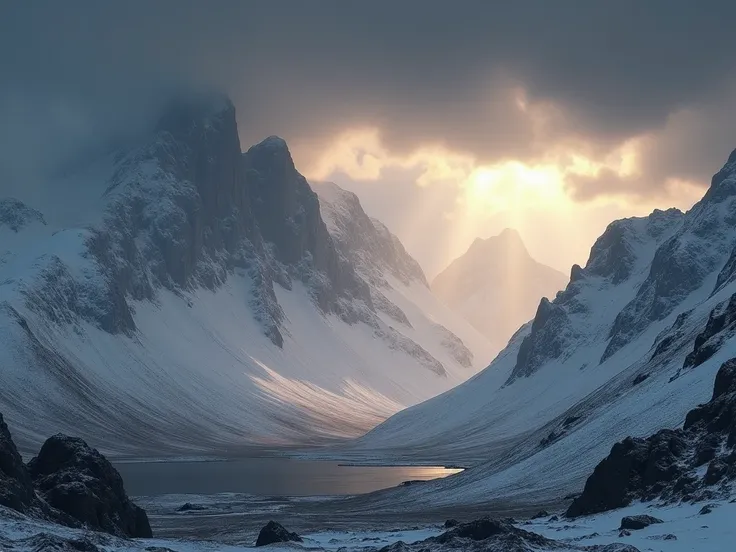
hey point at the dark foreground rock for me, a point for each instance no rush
(275, 532)
(493, 535)
(451, 523)
(16, 487)
(638, 522)
(664, 465)
(81, 482)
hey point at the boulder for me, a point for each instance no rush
(638, 522)
(188, 506)
(450, 523)
(275, 532)
(16, 487)
(81, 482)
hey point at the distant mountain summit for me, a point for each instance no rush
(496, 285)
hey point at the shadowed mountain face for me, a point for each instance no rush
(195, 297)
(496, 285)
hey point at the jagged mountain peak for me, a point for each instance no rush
(219, 296)
(496, 285)
(615, 253)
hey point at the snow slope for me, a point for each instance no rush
(195, 302)
(496, 285)
(628, 348)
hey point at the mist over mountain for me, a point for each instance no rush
(496, 285)
(631, 345)
(175, 294)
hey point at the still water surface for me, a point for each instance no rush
(277, 476)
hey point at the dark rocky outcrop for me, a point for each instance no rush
(16, 487)
(493, 535)
(288, 215)
(188, 507)
(638, 522)
(450, 523)
(550, 331)
(640, 378)
(612, 255)
(664, 465)
(79, 481)
(275, 532)
(672, 276)
(720, 326)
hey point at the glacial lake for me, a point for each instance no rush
(267, 476)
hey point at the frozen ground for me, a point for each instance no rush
(683, 529)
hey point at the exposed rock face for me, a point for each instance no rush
(496, 285)
(372, 249)
(288, 215)
(79, 481)
(16, 487)
(664, 465)
(376, 253)
(550, 332)
(720, 327)
(275, 532)
(187, 209)
(681, 264)
(16, 215)
(638, 522)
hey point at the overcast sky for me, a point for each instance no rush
(450, 119)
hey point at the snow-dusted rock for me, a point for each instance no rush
(79, 481)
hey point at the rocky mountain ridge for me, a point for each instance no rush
(187, 219)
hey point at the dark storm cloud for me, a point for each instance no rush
(422, 71)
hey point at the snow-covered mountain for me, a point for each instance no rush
(180, 296)
(496, 285)
(629, 347)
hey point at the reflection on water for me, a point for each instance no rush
(267, 477)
